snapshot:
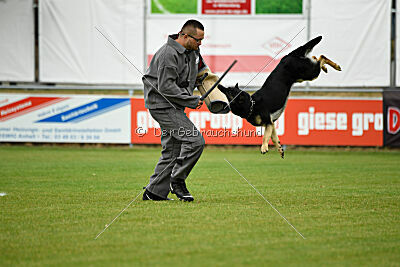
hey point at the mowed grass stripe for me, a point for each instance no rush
(59, 198)
(175, 7)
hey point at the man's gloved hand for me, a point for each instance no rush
(199, 104)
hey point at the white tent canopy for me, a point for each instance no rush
(356, 35)
(17, 57)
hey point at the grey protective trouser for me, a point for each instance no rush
(182, 145)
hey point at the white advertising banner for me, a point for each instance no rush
(254, 42)
(17, 63)
(356, 35)
(60, 119)
(73, 51)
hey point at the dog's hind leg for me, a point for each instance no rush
(277, 143)
(267, 135)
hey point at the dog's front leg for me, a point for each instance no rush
(330, 63)
(276, 141)
(267, 135)
(324, 60)
(321, 63)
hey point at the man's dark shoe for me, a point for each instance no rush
(147, 195)
(179, 189)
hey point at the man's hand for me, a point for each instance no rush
(199, 104)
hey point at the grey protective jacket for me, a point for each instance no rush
(172, 75)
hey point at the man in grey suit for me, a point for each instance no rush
(169, 83)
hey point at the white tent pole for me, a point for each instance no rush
(308, 20)
(145, 36)
(308, 30)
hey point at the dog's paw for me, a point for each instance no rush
(324, 69)
(264, 149)
(338, 68)
(281, 152)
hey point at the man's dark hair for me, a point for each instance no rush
(191, 26)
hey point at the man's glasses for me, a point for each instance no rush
(196, 39)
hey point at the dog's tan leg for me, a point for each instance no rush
(267, 135)
(277, 143)
(321, 64)
(326, 60)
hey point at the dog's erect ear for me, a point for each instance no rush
(310, 45)
(304, 50)
(237, 86)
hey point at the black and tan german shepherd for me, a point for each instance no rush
(265, 106)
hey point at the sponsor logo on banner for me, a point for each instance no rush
(344, 122)
(277, 45)
(87, 111)
(391, 104)
(216, 128)
(226, 7)
(393, 120)
(338, 121)
(26, 105)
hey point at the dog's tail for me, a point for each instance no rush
(304, 50)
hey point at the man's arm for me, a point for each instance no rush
(167, 77)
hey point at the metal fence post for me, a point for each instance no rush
(308, 32)
(393, 42)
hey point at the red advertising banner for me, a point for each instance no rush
(306, 121)
(226, 7)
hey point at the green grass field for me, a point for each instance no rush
(279, 6)
(346, 203)
(175, 6)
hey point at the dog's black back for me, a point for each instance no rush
(267, 103)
